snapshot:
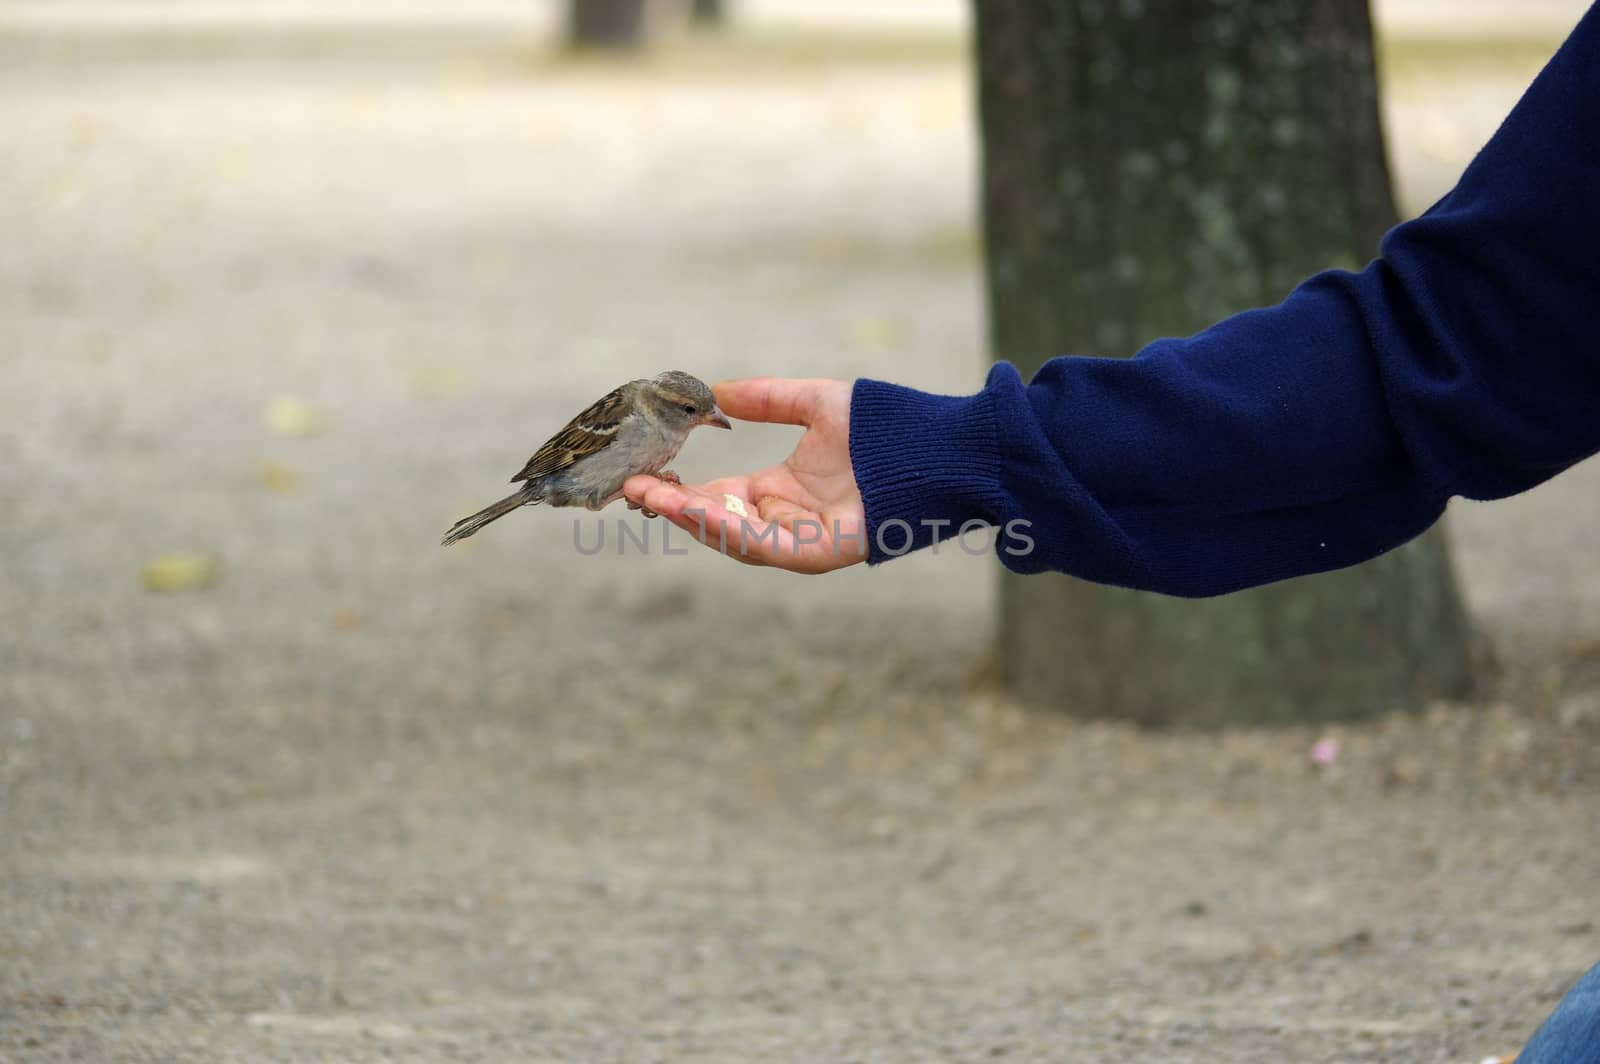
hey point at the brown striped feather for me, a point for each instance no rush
(584, 435)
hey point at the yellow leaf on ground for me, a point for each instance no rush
(180, 572)
(281, 479)
(876, 335)
(289, 416)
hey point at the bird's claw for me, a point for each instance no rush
(666, 476)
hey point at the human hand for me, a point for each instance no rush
(806, 514)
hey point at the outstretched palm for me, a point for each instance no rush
(805, 514)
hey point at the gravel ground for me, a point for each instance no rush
(361, 798)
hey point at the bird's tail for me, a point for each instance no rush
(493, 512)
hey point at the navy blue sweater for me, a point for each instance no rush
(1307, 436)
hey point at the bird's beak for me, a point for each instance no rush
(718, 418)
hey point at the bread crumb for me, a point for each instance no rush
(734, 505)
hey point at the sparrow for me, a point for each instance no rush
(636, 428)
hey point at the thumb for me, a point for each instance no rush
(779, 400)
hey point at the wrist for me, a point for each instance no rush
(927, 465)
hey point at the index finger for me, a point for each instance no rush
(779, 400)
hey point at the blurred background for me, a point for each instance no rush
(286, 288)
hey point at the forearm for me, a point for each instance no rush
(1191, 469)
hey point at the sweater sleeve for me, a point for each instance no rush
(1303, 437)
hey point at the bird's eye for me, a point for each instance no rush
(688, 408)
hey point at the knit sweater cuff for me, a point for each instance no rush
(926, 465)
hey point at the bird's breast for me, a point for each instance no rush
(652, 446)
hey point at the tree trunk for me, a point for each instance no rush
(610, 24)
(708, 13)
(1150, 168)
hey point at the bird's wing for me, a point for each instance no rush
(584, 435)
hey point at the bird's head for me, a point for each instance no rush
(678, 399)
